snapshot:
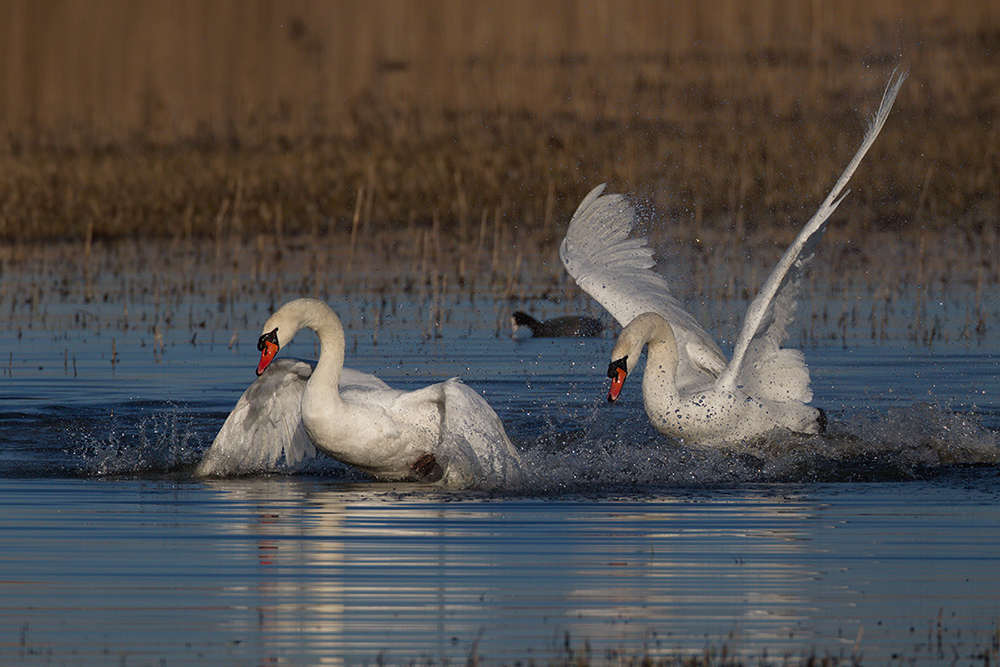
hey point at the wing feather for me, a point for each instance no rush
(616, 269)
(265, 426)
(765, 325)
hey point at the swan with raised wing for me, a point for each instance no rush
(445, 433)
(689, 389)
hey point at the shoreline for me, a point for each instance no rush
(926, 289)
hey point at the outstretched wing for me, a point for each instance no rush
(265, 425)
(617, 271)
(765, 326)
(480, 453)
(611, 267)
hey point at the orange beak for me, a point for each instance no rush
(617, 371)
(268, 346)
(266, 356)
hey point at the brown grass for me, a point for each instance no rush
(222, 119)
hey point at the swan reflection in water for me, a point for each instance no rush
(397, 572)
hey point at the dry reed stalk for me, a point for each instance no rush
(495, 262)
(512, 277)
(461, 206)
(236, 220)
(369, 197)
(355, 222)
(922, 200)
(435, 233)
(482, 239)
(550, 203)
(188, 222)
(423, 275)
(279, 228)
(219, 217)
(88, 293)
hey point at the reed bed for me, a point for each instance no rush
(242, 152)
(880, 288)
(168, 121)
(743, 170)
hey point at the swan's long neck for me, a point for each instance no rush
(331, 359)
(651, 331)
(316, 315)
(326, 375)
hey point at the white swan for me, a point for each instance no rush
(445, 433)
(689, 389)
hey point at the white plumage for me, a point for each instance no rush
(689, 388)
(444, 433)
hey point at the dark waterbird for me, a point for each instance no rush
(524, 325)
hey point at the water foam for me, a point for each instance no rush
(160, 442)
(606, 452)
(893, 445)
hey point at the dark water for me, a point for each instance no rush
(880, 540)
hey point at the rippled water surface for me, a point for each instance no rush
(878, 541)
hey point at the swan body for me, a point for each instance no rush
(690, 390)
(524, 325)
(771, 395)
(444, 433)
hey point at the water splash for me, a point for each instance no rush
(160, 442)
(894, 445)
(599, 451)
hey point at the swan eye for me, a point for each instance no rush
(614, 366)
(267, 338)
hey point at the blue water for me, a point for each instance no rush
(879, 541)
(303, 571)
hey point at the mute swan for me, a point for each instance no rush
(444, 433)
(524, 325)
(689, 389)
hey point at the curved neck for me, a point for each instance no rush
(652, 331)
(330, 364)
(316, 315)
(329, 330)
(661, 366)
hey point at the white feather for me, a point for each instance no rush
(617, 271)
(692, 391)
(444, 433)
